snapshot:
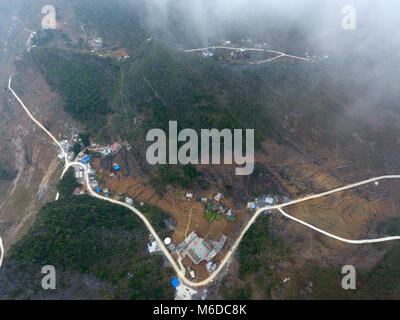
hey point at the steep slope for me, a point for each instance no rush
(98, 250)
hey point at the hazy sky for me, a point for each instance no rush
(321, 19)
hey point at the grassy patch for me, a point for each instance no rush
(209, 215)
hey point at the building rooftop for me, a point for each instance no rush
(115, 147)
(175, 282)
(198, 249)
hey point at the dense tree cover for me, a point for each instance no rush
(90, 236)
(157, 218)
(76, 148)
(167, 85)
(290, 101)
(67, 184)
(380, 282)
(113, 20)
(390, 227)
(85, 139)
(45, 37)
(85, 82)
(185, 176)
(253, 247)
(260, 254)
(161, 84)
(237, 293)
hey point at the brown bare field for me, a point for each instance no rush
(173, 203)
(353, 214)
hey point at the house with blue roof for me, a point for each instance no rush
(85, 160)
(175, 282)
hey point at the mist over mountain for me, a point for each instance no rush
(318, 23)
(300, 26)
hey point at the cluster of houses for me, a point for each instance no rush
(68, 149)
(216, 206)
(209, 52)
(95, 44)
(97, 47)
(238, 50)
(85, 159)
(261, 202)
(194, 247)
(80, 173)
(315, 57)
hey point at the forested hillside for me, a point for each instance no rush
(262, 255)
(6, 173)
(82, 235)
(85, 82)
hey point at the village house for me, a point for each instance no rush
(95, 43)
(116, 147)
(189, 196)
(218, 197)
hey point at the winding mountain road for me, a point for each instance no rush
(278, 53)
(227, 257)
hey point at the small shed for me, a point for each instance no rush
(218, 196)
(189, 195)
(86, 159)
(175, 282)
